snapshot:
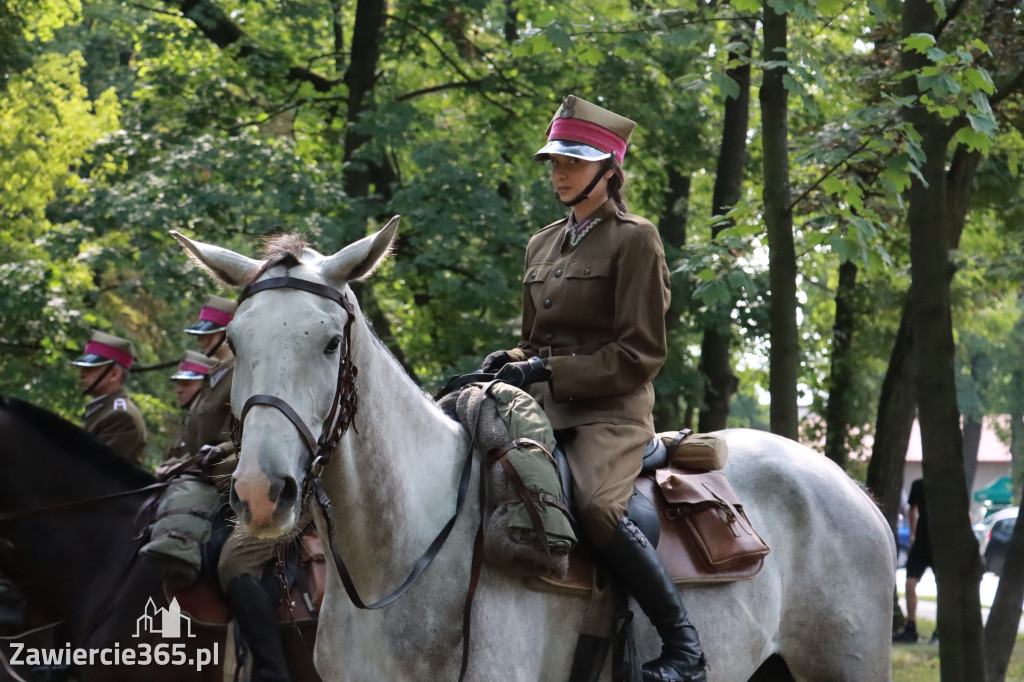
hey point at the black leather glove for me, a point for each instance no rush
(495, 361)
(211, 455)
(522, 374)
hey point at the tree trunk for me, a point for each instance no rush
(837, 413)
(897, 406)
(716, 347)
(972, 442)
(957, 565)
(1017, 443)
(360, 77)
(1004, 618)
(785, 350)
(672, 226)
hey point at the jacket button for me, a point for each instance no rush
(533, 275)
(558, 273)
(587, 271)
(550, 336)
(547, 302)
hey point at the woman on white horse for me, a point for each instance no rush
(595, 293)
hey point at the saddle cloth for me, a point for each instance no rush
(685, 560)
(204, 602)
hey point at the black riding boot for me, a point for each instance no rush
(254, 610)
(638, 565)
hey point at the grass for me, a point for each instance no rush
(920, 662)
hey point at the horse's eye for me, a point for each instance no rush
(333, 345)
(231, 344)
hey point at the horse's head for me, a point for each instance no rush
(293, 381)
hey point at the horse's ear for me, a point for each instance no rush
(229, 267)
(358, 261)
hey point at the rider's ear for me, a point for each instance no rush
(227, 266)
(358, 261)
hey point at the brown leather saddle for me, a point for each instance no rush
(691, 516)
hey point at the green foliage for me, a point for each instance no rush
(119, 123)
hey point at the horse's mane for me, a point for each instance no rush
(281, 249)
(72, 439)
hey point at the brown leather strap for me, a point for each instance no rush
(501, 456)
(589, 349)
(284, 408)
(25, 513)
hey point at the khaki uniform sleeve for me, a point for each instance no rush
(641, 296)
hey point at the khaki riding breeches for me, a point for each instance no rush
(244, 553)
(605, 460)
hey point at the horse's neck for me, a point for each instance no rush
(394, 480)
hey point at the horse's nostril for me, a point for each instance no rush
(287, 492)
(240, 506)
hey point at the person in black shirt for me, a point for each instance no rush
(918, 561)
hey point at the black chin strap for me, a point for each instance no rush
(98, 379)
(585, 194)
(223, 338)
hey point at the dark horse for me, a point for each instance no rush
(68, 508)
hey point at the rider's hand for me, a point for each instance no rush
(211, 455)
(495, 361)
(524, 373)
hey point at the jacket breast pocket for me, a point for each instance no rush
(590, 284)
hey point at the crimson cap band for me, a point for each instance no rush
(103, 349)
(214, 316)
(586, 131)
(193, 366)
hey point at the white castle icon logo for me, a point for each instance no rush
(163, 621)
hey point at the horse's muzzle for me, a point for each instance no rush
(267, 506)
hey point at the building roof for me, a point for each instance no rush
(991, 448)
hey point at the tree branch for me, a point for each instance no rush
(225, 33)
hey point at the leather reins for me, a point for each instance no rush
(341, 417)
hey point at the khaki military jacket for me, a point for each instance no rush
(597, 310)
(114, 420)
(208, 419)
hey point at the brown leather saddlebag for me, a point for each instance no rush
(705, 504)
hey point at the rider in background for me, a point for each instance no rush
(595, 294)
(188, 380)
(207, 425)
(243, 559)
(111, 416)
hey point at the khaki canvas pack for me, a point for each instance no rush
(527, 529)
(182, 526)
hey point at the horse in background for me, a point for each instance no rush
(68, 507)
(820, 609)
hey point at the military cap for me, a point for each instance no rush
(586, 131)
(214, 316)
(103, 349)
(194, 366)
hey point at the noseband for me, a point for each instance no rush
(346, 400)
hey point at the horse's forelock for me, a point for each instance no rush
(281, 249)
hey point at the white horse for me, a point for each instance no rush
(822, 602)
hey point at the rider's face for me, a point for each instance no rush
(570, 176)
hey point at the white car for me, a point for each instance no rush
(983, 528)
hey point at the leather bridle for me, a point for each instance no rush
(343, 412)
(346, 400)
